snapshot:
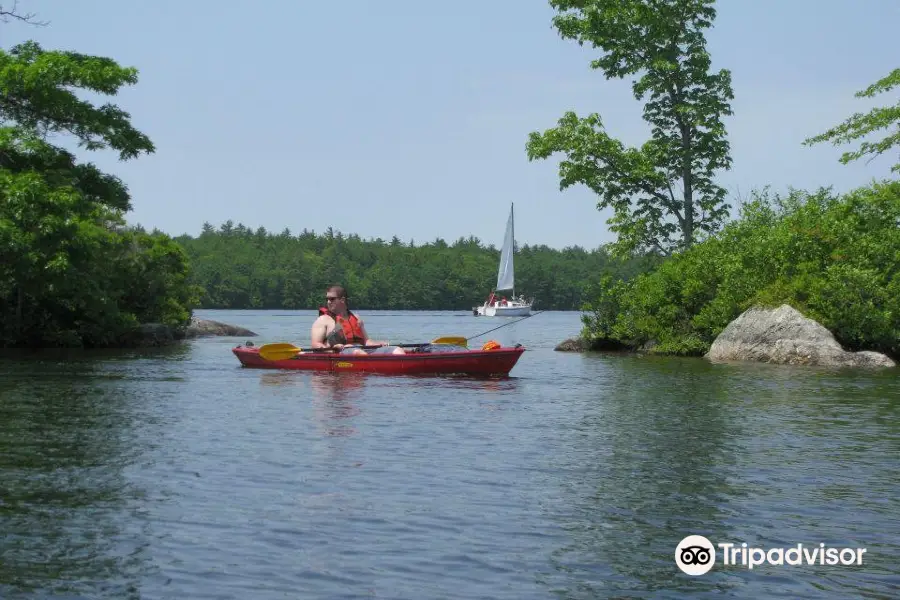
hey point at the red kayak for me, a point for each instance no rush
(497, 361)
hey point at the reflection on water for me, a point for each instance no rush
(66, 508)
(479, 384)
(650, 463)
(79, 361)
(180, 474)
(334, 397)
(672, 448)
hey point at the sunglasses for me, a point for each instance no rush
(330, 298)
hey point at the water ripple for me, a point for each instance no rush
(176, 474)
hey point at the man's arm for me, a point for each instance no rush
(318, 332)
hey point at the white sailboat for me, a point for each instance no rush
(500, 306)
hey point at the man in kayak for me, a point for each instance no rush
(338, 328)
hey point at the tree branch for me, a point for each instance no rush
(26, 112)
(674, 203)
(13, 13)
(643, 185)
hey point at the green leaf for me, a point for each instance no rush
(663, 195)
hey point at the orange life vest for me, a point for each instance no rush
(346, 330)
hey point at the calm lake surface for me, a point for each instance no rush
(178, 474)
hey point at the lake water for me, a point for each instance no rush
(176, 473)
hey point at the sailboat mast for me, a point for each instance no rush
(512, 250)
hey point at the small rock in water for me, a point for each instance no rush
(571, 345)
(206, 327)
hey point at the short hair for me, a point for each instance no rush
(338, 290)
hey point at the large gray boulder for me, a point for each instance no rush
(784, 336)
(206, 328)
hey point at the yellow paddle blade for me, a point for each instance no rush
(278, 351)
(452, 339)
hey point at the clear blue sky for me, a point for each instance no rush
(410, 117)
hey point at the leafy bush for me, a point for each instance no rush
(834, 258)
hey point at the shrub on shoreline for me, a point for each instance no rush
(836, 258)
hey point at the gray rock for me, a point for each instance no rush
(571, 345)
(580, 344)
(207, 328)
(784, 336)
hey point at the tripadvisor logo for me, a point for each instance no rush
(696, 555)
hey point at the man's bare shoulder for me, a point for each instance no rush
(322, 319)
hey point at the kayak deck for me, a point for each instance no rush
(498, 361)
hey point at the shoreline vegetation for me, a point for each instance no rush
(680, 273)
(833, 258)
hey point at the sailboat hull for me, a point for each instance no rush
(515, 310)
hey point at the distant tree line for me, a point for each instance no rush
(237, 267)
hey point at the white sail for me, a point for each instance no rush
(501, 307)
(505, 279)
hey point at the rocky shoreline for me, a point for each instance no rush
(157, 334)
(780, 335)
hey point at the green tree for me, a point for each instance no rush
(39, 96)
(860, 125)
(661, 44)
(72, 272)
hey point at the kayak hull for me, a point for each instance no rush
(499, 361)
